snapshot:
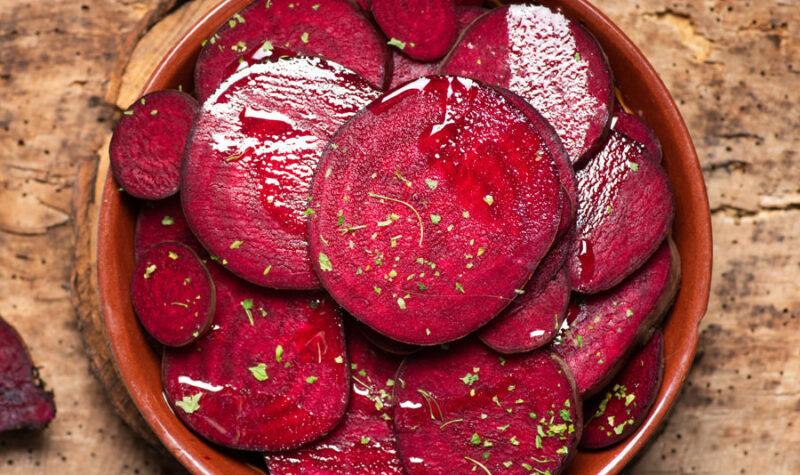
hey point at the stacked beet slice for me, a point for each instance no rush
(412, 236)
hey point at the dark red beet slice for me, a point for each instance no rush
(617, 412)
(552, 62)
(249, 163)
(431, 207)
(24, 404)
(385, 343)
(147, 146)
(423, 29)
(332, 29)
(532, 319)
(636, 128)
(469, 3)
(468, 407)
(173, 294)
(270, 374)
(161, 221)
(625, 209)
(601, 330)
(364, 442)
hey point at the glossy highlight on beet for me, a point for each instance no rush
(423, 29)
(467, 407)
(430, 208)
(248, 165)
(161, 221)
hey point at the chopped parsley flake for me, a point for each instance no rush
(421, 286)
(309, 212)
(401, 303)
(435, 218)
(469, 379)
(339, 359)
(315, 7)
(167, 221)
(279, 353)
(364, 440)
(154, 112)
(476, 439)
(304, 37)
(432, 184)
(236, 244)
(267, 269)
(128, 112)
(633, 166)
(577, 56)
(247, 305)
(259, 372)
(488, 199)
(459, 288)
(396, 43)
(149, 271)
(311, 379)
(190, 404)
(325, 263)
(173, 255)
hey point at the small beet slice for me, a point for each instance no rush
(147, 146)
(385, 343)
(161, 221)
(24, 404)
(249, 164)
(625, 209)
(364, 442)
(271, 373)
(430, 208)
(551, 61)
(617, 412)
(469, 407)
(423, 29)
(173, 294)
(331, 29)
(601, 330)
(636, 128)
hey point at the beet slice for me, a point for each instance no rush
(551, 61)
(147, 145)
(634, 127)
(430, 208)
(161, 221)
(601, 330)
(271, 373)
(620, 409)
(331, 29)
(364, 442)
(249, 163)
(385, 343)
(468, 407)
(423, 29)
(625, 209)
(24, 404)
(173, 294)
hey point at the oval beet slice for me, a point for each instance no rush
(332, 29)
(161, 221)
(250, 159)
(549, 60)
(422, 29)
(468, 407)
(636, 128)
(364, 442)
(601, 330)
(173, 294)
(625, 209)
(24, 404)
(430, 208)
(270, 374)
(620, 409)
(147, 146)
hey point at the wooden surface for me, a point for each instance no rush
(67, 66)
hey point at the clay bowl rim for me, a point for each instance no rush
(642, 90)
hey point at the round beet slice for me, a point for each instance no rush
(620, 409)
(147, 146)
(637, 129)
(430, 208)
(270, 374)
(468, 407)
(549, 60)
(625, 209)
(331, 29)
(364, 442)
(250, 160)
(422, 29)
(161, 221)
(173, 294)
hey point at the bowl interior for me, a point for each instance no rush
(642, 91)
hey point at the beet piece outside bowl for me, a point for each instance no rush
(643, 92)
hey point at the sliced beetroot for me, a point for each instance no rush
(625, 209)
(636, 128)
(469, 3)
(468, 407)
(161, 221)
(271, 373)
(385, 343)
(620, 409)
(364, 442)
(250, 159)
(430, 209)
(532, 319)
(601, 330)
(173, 294)
(331, 29)
(423, 29)
(147, 146)
(551, 61)
(24, 404)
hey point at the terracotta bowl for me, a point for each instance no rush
(642, 91)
